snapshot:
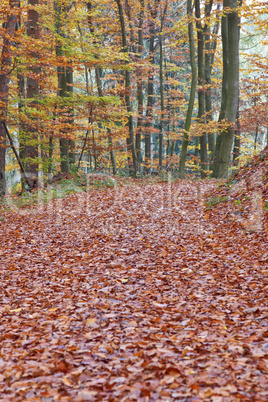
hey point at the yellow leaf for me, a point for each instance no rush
(185, 351)
(124, 280)
(53, 309)
(16, 310)
(91, 322)
(66, 381)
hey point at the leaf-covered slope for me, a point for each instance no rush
(134, 293)
(244, 198)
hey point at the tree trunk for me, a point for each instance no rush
(161, 102)
(139, 88)
(130, 140)
(5, 68)
(62, 85)
(21, 105)
(32, 92)
(50, 155)
(201, 92)
(150, 91)
(224, 89)
(210, 48)
(192, 93)
(236, 152)
(100, 91)
(233, 89)
(70, 91)
(196, 151)
(161, 79)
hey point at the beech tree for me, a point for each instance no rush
(9, 32)
(230, 85)
(187, 124)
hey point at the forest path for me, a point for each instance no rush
(134, 293)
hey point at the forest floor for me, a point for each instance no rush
(135, 293)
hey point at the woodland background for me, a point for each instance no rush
(132, 87)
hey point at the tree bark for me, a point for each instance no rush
(224, 88)
(62, 85)
(150, 91)
(130, 140)
(236, 151)
(161, 79)
(192, 92)
(210, 48)
(70, 91)
(32, 92)
(161, 127)
(233, 89)
(140, 87)
(5, 69)
(201, 84)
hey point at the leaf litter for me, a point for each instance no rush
(134, 293)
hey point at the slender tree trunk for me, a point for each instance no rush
(21, 105)
(192, 92)
(50, 155)
(132, 40)
(130, 140)
(210, 48)
(196, 151)
(100, 91)
(21, 82)
(64, 142)
(70, 90)
(5, 68)
(236, 152)
(110, 139)
(233, 89)
(149, 109)
(150, 91)
(64, 87)
(224, 89)
(161, 102)
(161, 79)
(32, 92)
(168, 119)
(201, 92)
(139, 88)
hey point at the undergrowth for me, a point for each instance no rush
(59, 189)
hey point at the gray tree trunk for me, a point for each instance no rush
(233, 89)
(70, 90)
(210, 48)
(32, 92)
(187, 124)
(236, 152)
(201, 83)
(150, 92)
(5, 67)
(139, 88)
(130, 140)
(224, 88)
(161, 79)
